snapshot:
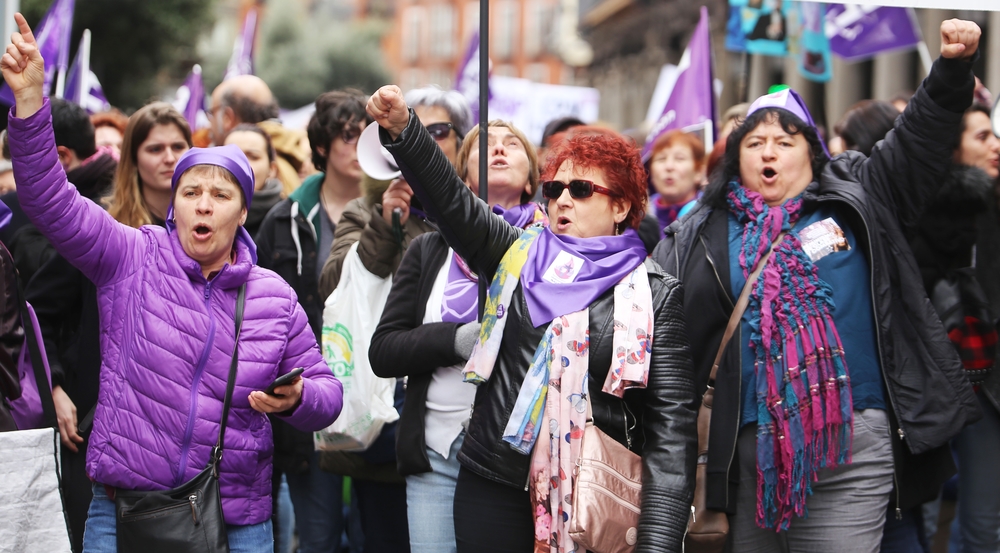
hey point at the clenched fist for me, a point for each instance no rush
(959, 39)
(389, 109)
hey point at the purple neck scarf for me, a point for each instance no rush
(461, 293)
(566, 274)
(519, 216)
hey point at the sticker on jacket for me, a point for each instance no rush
(822, 238)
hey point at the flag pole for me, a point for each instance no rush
(85, 66)
(484, 100)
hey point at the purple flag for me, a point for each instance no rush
(52, 35)
(82, 86)
(691, 104)
(190, 100)
(857, 33)
(241, 63)
(467, 79)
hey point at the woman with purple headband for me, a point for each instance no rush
(167, 300)
(839, 388)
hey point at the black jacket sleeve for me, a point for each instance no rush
(907, 168)
(465, 221)
(670, 452)
(54, 293)
(402, 344)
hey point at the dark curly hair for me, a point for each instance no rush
(729, 169)
(335, 111)
(607, 151)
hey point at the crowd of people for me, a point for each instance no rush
(857, 271)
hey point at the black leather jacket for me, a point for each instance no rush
(658, 422)
(881, 198)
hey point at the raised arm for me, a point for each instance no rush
(906, 169)
(79, 229)
(465, 221)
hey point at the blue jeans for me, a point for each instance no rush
(317, 499)
(978, 514)
(100, 534)
(430, 498)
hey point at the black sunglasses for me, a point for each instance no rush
(578, 189)
(440, 131)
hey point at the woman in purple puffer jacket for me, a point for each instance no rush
(167, 300)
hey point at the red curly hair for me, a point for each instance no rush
(611, 153)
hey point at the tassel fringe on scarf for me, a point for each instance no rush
(804, 405)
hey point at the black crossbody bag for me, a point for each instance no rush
(187, 518)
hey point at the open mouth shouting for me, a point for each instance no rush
(202, 232)
(769, 175)
(563, 223)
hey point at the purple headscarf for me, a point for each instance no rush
(232, 159)
(790, 101)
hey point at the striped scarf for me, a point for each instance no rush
(804, 405)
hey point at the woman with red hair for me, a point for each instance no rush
(676, 172)
(554, 293)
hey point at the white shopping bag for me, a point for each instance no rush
(31, 513)
(349, 319)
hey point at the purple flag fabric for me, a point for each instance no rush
(241, 62)
(82, 86)
(565, 274)
(692, 100)
(858, 33)
(467, 79)
(190, 99)
(52, 35)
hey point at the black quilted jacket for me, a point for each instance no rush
(657, 422)
(882, 199)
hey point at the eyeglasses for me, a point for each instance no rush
(440, 131)
(350, 136)
(578, 189)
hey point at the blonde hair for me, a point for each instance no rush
(471, 141)
(127, 204)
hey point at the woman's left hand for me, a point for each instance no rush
(287, 399)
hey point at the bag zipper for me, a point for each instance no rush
(194, 513)
(612, 470)
(612, 495)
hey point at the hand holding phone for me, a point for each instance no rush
(283, 380)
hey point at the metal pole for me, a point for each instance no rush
(484, 100)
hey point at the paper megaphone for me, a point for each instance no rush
(375, 160)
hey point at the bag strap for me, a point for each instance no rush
(231, 381)
(741, 306)
(37, 365)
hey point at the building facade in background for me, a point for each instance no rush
(428, 39)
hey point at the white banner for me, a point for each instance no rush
(530, 105)
(984, 5)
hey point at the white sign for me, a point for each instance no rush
(530, 105)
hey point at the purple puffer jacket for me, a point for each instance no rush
(167, 340)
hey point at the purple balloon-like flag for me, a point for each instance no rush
(190, 100)
(858, 33)
(467, 79)
(82, 86)
(691, 104)
(241, 62)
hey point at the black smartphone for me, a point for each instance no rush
(282, 380)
